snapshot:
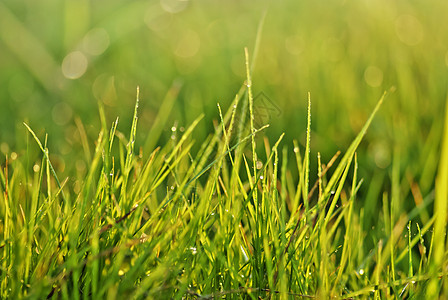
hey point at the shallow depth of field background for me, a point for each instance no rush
(59, 58)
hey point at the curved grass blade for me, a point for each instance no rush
(45, 152)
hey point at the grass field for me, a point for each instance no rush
(202, 150)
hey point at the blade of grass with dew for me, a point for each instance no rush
(282, 274)
(251, 119)
(346, 250)
(416, 239)
(164, 172)
(347, 158)
(299, 187)
(306, 161)
(244, 89)
(123, 201)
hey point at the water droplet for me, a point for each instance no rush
(259, 165)
(173, 129)
(296, 149)
(261, 177)
(361, 272)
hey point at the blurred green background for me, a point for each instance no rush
(59, 58)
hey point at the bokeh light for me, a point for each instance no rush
(62, 113)
(373, 76)
(174, 6)
(96, 41)
(188, 44)
(74, 65)
(409, 29)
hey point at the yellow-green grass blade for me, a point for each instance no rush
(440, 211)
(345, 162)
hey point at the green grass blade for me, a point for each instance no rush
(440, 211)
(45, 152)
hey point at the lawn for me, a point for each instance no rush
(239, 149)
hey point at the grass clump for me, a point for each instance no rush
(227, 221)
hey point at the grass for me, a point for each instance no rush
(229, 220)
(339, 193)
